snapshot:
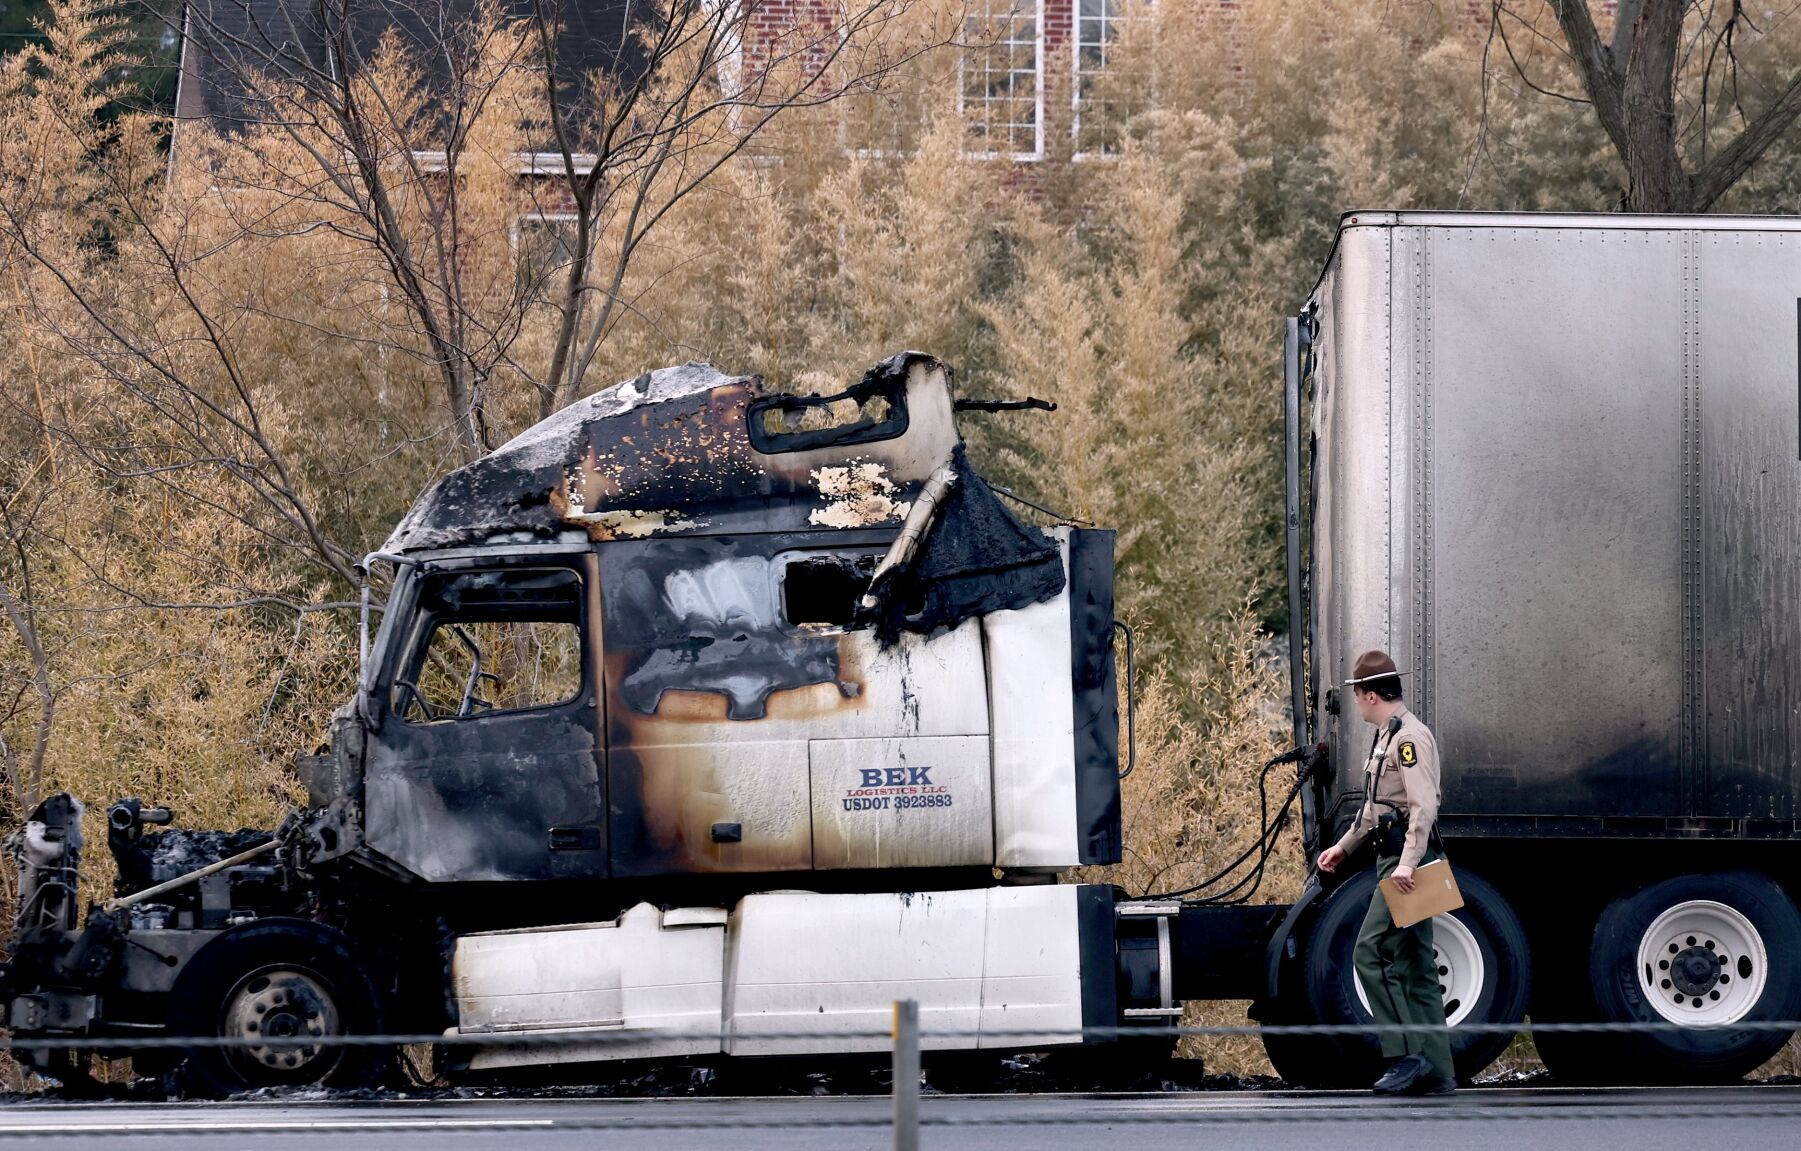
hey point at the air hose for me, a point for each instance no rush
(1262, 847)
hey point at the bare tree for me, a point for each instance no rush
(612, 141)
(155, 385)
(1635, 80)
(400, 142)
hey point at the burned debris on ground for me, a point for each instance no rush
(1029, 1073)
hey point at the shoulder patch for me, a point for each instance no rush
(1409, 754)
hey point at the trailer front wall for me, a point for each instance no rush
(1558, 477)
(1351, 470)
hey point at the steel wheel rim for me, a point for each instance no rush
(1702, 962)
(283, 1003)
(1462, 971)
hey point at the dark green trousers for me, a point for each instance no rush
(1400, 978)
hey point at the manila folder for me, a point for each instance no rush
(1434, 893)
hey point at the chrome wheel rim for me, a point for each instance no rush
(1702, 962)
(288, 1006)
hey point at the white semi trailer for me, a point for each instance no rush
(1553, 464)
(702, 722)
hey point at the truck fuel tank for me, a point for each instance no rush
(791, 973)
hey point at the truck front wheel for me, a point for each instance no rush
(1710, 951)
(265, 990)
(1483, 973)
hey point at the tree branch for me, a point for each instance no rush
(24, 784)
(1625, 15)
(1602, 72)
(1737, 158)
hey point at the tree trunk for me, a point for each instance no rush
(1655, 179)
(1632, 85)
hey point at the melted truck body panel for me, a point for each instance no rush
(672, 452)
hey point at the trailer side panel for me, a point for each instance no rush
(1559, 477)
(1748, 303)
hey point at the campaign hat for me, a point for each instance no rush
(1373, 665)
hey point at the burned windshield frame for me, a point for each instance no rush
(371, 648)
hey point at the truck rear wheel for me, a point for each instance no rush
(1300, 1060)
(283, 981)
(1715, 950)
(1483, 972)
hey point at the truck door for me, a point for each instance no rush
(485, 763)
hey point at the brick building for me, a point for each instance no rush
(1024, 74)
(1022, 80)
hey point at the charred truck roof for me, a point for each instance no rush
(765, 632)
(690, 449)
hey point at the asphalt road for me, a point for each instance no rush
(1739, 1118)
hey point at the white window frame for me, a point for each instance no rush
(521, 163)
(1076, 72)
(549, 217)
(1037, 152)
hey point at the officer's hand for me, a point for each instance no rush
(1330, 858)
(1403, 877)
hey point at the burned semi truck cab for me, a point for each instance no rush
(648, 639)
(707, 705)
(705, 720)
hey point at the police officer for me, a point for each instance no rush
(1395, 964)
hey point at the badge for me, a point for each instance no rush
(1409, 754)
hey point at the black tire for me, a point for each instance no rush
(1721, 1055)
(1300, 1060)
(320, 985)
(1324, 991)
(1572, 1058)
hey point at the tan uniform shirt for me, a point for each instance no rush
(1407, 763)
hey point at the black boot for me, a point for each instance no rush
(1402, 1074)
(1434, 1082)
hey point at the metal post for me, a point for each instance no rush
(1292, 351)
(906, 1075)
(1297, 336)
